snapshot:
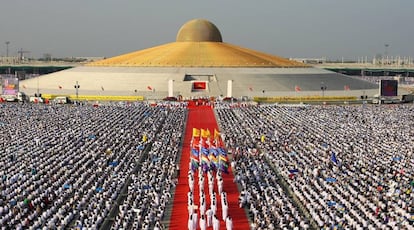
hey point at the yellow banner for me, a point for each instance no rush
(96, 97)
(196, 132)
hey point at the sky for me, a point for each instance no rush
(333, 29)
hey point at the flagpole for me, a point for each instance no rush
(296, 92)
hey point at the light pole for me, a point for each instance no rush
(386, 49)
(7, 48)
(323, 88)
(77, 90)
(386, 52)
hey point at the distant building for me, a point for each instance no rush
(310, 61)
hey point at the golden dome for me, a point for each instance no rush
(198, 44)
(199, 30)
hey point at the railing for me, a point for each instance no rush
(303, 99)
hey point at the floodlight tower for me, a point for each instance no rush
(386, 49)
(7, 48)
(386, 53)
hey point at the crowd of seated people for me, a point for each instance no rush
(64, 166)
(268, 205)
(152, 185)
(350, 166)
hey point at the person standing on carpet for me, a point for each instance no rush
(224, 210)
(195, 220)
(229, 223)
(203, 207)
(216, 223)
(209, 214)
(190, 222)
(203, 222)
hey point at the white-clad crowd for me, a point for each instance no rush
(350, 166)
(267, 203)
(153, 183)
(205, 213)
(64, 166)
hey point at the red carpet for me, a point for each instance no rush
(203, 117)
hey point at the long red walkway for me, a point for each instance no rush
(203, 117)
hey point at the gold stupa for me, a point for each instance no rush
(198, 44)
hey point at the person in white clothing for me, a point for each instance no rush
(220, 185)
(202, 207)
(203, 225)
(224, 210)
(190, 208)
(216, 223)
(191, 185)
(214, 207)
(195, 220)
(229, 223)
(210, 187)
(209, 214)
(190, 222)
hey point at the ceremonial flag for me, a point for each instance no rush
(224, 168)
(59, 86)
(195, 152)
(204, 150)
(204, 159)
(199, 85)
(195, 145)
(213, 161)
(205, 164)
(149, 87)
(222, 151)
(214, 151)
(297, 88)
(196, 132)
(194, 164)
(251, 88)
(346, 87)
(213, 158)
(203, 133)
(144, 138)
(222, 158)
(205, 167)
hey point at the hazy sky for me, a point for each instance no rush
(288, 28)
